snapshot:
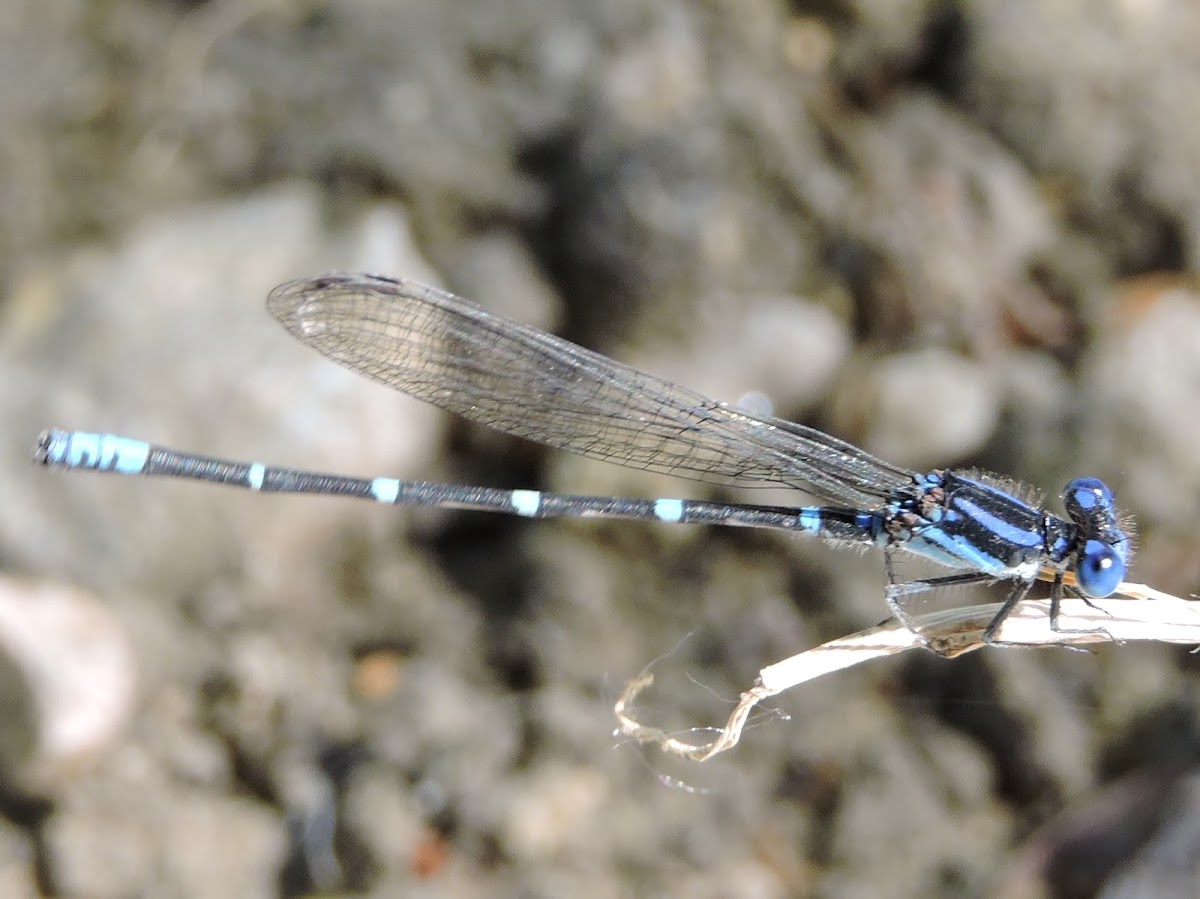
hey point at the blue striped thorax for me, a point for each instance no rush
(979, 522)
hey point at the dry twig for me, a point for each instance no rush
(1135, 612)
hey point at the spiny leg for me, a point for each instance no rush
(898, 594)
(1056, 593)
(1018, 593)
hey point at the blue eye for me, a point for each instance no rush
(1088, 493)
(1099, 569)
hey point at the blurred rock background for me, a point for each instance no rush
(955, 233)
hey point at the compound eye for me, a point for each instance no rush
(1088, 494)
(1099, 569)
